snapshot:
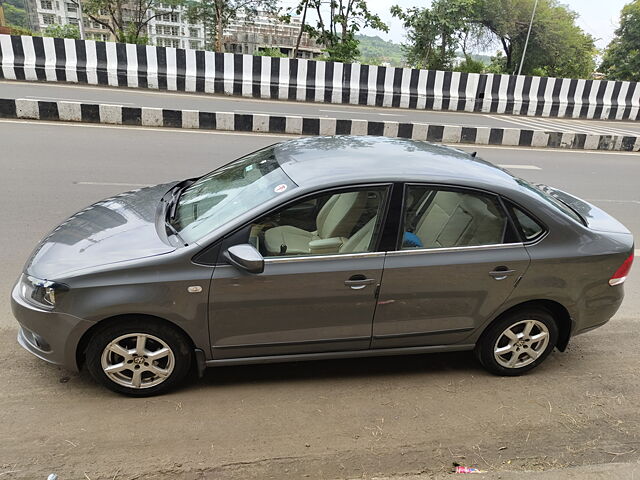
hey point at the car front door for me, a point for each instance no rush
(317, 290)
(458, 260)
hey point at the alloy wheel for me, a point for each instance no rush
(521, 344)
(137, 360)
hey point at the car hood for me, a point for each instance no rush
(116, 229)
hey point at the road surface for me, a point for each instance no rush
(316, 420)
(220, 103)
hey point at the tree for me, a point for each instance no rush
(621, 60)
(127, 19)
(215, 15)
(434, 33)
(557, 46)
(62, 31)
(303, 22)
(337, 23)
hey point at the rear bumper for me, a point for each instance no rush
(49, 335)
(599, 309)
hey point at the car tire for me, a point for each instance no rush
(517, 342)
(139, 357)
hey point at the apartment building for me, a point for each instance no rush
(248, 35)
(44, 13)
(171, 28)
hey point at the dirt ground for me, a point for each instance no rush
(333, 419)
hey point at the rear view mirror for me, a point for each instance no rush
(246, 257)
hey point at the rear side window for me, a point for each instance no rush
(442, 218)
(529, 228)
(545, 193)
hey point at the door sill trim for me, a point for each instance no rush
(387, 336)
(289, 344)
(379, 352)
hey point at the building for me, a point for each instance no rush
(43, 13)
(171, 28)
(266, 30)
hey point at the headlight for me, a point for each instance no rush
(41, 293)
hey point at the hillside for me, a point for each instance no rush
(376, 51)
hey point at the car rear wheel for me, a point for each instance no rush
(138, 357)
(518, 342)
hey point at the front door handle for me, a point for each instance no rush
(500, 273)
(358, 282)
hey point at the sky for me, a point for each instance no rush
(597, 17)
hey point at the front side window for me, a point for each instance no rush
(326, 224)
(440, 218)
(229, 192)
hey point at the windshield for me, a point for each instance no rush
(546, 194)
(229, 192)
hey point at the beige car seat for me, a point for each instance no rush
(336, 219)
(455, 219)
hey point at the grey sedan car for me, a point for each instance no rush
(326, 247)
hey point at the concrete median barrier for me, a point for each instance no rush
(297, 125)
(183, 70)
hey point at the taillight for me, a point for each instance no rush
(621, 274)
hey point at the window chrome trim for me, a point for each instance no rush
(314, 258)
(495, 246)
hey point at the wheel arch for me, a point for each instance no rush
(86, 336)
(558, 311)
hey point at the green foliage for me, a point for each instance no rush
(434, 33)
(621, 59)
(498, 64)
(270, 52)
(62, 31)
(15, 14)
(17, 30)
(337, 24)
(375, 51)
(557, 45)
(469, 65)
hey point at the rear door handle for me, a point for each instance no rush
(358, 282)
(501, 273)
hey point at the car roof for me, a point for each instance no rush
(327, 161)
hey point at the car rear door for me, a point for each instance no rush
(458, 260)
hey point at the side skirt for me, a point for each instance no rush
(337, 355)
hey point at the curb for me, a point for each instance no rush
(261, 123)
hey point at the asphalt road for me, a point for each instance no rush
(333, 419)
(175, 100)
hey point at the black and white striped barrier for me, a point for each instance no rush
(295, 125)
(141, 66)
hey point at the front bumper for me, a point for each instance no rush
(47, 334)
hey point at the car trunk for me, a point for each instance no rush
(596, 218)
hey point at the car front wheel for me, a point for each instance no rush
(138, 357)
(518, 342)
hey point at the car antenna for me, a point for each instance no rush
(473, 155)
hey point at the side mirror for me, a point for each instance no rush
(246, 257)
